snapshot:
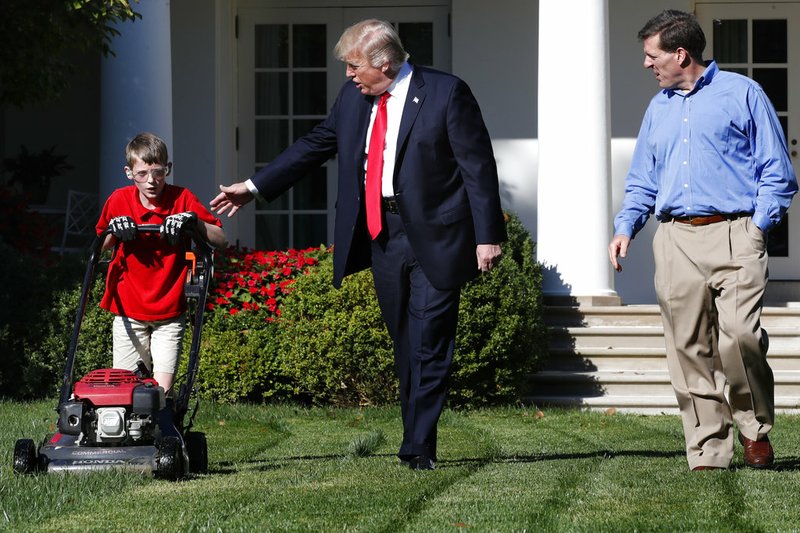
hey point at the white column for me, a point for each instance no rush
(135, 89)
(574, 190)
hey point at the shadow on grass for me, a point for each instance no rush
(264, 465)
(787, 464)
(537, 458)
(782, 464)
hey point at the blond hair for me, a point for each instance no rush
(376, 40)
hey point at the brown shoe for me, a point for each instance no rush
(757, 454)
(701, 467)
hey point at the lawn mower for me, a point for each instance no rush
(113, 418)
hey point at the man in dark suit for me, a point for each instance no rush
(423, 209)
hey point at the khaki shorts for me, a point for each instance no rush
(158, 344)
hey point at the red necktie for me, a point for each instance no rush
(377, 143)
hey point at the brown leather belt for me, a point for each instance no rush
(710, 219)
(390, 205)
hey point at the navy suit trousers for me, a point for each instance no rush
(422, 323)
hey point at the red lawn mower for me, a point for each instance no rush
(114, 418)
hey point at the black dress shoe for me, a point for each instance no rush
(421, 462)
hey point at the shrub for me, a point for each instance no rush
(46, 360)
(276, 329)
(333, 343)
(30, 283)
(238, 360)
(501, 332)
(335, 347)
(237, 365)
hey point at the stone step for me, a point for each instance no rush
(632, 358)
(614, 357)
(631, 383)
(780, 337)
(649, 404)
(646, 315)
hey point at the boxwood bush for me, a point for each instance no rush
(34, 285)
(276, 329)
(335, 348)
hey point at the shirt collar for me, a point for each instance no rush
(708, 75)
(400, 84)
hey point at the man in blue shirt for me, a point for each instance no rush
(711, 163)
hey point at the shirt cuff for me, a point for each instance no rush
(253, 190)
(762, 221)
(624, 229)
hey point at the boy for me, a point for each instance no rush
(145, 282)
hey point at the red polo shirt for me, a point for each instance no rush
(146, 278)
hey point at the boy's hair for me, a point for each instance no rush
(377, 40)
(676, 29)
(148, 148)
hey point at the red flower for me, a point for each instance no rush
(261, 277)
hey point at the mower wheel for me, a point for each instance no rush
(25, 457)
(170, 459)
(197, 448)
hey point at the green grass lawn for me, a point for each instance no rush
(285, 468)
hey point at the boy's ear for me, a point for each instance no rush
(128, 173)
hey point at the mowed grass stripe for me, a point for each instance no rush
(287, 468)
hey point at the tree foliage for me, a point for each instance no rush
(38, 36)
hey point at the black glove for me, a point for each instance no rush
(175, 226)
(123, 228)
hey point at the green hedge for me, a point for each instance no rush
(312, 342)
(31, 334)
(335, 348)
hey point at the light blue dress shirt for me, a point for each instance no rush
(718, 148)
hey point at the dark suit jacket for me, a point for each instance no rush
(445, 177)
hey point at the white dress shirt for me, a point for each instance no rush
(394, 112)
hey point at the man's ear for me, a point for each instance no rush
(682, 57)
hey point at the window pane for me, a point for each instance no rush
(785, 126)
(310, 46)
(281, 203)
(271, 138)
(272, 45)
(272, 93)
(272, 232)
(312, 191)
(310, 230)
(303, 126)
(417, 39)
(774, 82)
(769, 41)
(778, 241)
(310, 93)
(730, 41)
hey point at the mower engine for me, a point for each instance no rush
(112, 407)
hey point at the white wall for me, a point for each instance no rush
(193, 89)
(495, 48)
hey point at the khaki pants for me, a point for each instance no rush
(710, 281)
(158, 344)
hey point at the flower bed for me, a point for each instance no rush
(257, 281)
